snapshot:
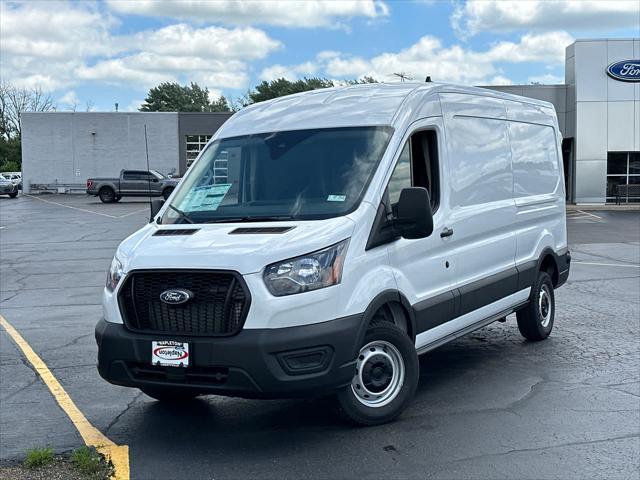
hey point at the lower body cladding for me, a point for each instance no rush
(254, 363)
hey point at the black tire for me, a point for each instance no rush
(170, 395)
(13, 195)
(107, 195)
(166, 193)
(353, 405)
(535, 321)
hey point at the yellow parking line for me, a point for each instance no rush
(118, 454)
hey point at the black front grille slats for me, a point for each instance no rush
(218, 308)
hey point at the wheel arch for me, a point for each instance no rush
(388, 297)
(548, 261)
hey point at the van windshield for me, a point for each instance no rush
(301, 174)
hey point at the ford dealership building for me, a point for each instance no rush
(598, 110)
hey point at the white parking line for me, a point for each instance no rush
(589, 214)
(84, 209)
(69, 206)
(606, 264)
(133, 213)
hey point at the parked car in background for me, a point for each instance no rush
(7, 187)
(13, 177)
(132, 183)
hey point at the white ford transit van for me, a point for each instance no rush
(322, 241)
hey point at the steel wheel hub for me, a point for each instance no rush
(545, 306)
(379, 374)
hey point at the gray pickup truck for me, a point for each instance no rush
(132, 183)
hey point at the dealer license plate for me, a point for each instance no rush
(169, 353)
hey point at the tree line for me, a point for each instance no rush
(14, 102)
(166, 97)
(173, 97)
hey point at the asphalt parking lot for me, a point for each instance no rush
(488, 406)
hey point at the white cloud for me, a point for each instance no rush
(292, 72)
(500, 80)
(211, 56)
(546, 79)
(43, 43)
(446, 64)
(133, 106)
(284, 13)
(211, 42)
(55, 45)
(476, 16)
(57, 32)
(69, 101)
(546, 47)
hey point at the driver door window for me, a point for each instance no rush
(417, 166)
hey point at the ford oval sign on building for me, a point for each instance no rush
(625, 70)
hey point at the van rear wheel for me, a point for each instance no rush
(535, 321)
(170, 395)
(385, 377)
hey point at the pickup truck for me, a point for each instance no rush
(131, 183)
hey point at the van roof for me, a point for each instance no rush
(351, 105)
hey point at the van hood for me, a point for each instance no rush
(213, 246)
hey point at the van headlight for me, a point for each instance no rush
(115, 273)
(308, 272)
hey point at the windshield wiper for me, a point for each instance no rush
(183, 215)
(250, 218)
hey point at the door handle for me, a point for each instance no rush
(446, 232)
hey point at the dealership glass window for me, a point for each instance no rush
(195, 144)
(623, 168)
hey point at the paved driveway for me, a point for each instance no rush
(488, 406)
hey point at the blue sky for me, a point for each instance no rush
(93, 54)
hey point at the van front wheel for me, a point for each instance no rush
(385, 377)
(535, 321)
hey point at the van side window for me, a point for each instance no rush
(417, 167)
(401, 177)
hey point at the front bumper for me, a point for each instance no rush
(255, 363)
(8, 190)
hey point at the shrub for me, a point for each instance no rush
(38, 457)
(10, 166)
(87, 460)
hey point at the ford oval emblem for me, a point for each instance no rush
(625, 70)
(176, 296)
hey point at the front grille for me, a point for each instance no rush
(218, 307)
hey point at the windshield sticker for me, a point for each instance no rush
(207, 198)
(336, 198)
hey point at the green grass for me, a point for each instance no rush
(38, 457)
(87, 460)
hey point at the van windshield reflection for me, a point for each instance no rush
(289, 175)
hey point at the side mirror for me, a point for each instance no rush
(414, 217)
(156, 205)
